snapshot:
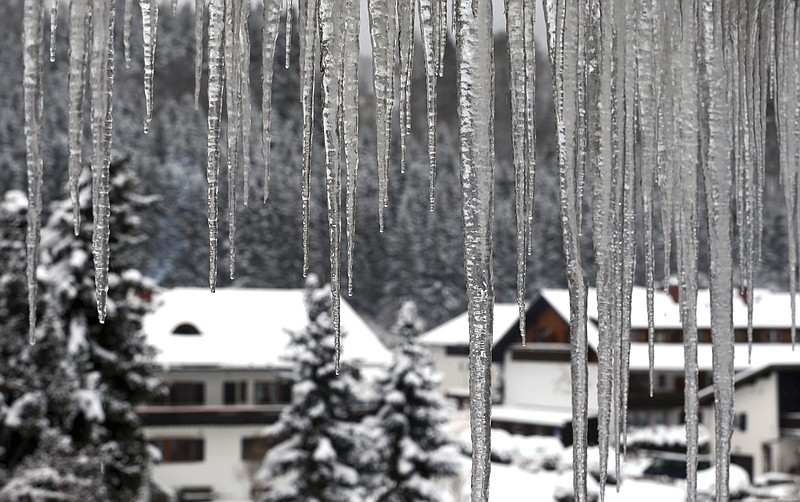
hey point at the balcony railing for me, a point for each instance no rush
(209, 415)
(790, 424)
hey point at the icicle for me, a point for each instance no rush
(199, 8)
(233, 107)
(785, 105)
(216, 84)
(715, 154)
(78, 35)
(600, 146)
(331, 62)
(126, 31)
(383, 33)
(668, 33)
(32, 32)
(269, 35)
(474, 45)
(441, 37)
(350, 123)
(519, 52)
(529, 11)
(53, 26)
(646, 94)
(245, 99)
(149, 30)
(288, 35)
(102, 80)
(405, 17)
(686, 215)
(428, 27)
(563, 49)
(633, 157)
(308, 64)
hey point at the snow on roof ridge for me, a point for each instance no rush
(456, 330)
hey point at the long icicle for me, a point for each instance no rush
(349, 126)
(102, 79)
(405, 20)
(600, 156)
(32, 32)
(715, 155)
(428, 31)
(245, 100)
(383, 33)
(474, 45)
(270, 27)
(308, 65)
(563, 50)
(216, 86)
(78, 31)
(330, 59)
(686, 215)
(233, 105)
(517, 53)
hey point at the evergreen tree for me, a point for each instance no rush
(112, 360)
(321, 452)
(415, 452)
(43, 409)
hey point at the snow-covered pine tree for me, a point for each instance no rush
(113, 360)
(415, 452)
(41, 412)
(322, 450)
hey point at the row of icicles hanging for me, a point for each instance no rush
(651, 97)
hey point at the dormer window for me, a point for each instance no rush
(186, 329)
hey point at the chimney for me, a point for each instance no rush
(743, 292)
(674, 291)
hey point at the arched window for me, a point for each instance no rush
(186, 329)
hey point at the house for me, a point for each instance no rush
(766, 433)
(221, 356)
(532, 383)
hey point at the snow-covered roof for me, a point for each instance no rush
(535, 415)
(245, 328)
(754, 371)
(456, 330)
(669, 356)
(770, 309)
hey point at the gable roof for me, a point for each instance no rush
(455, 332)
(245, 328)
(771, 310)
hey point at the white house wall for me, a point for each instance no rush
(544, 383)
(222, 467)
(758, 401)
(454, 372)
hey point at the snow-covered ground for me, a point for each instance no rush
(512, 484)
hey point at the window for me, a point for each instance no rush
(272, 392)
(180, 449)
(186, 329)
(254, 448)
(740, 422)
(183, 394)
(234, 392)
